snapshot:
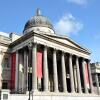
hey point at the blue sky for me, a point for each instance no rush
(78, 19)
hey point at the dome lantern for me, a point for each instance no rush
(38, 13)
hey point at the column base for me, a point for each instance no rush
(27, 92)
(47, 91)
(35, 91)
(56, 91)
(86, 92)
(73, 92)
(80, 92)
(65, 91)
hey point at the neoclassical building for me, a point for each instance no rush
(42, 61)
(95, 71)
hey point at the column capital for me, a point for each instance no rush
(88, 60)
(30, 45)
(70, 54)
(34, 45)
(63, 52)
(77, 57)
(17, 51)
(54, 49)
(45, 47)
(1, 52)
(83, 59)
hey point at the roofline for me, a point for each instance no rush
(33, 33)
(69, 39)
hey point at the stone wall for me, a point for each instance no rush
(5, 95)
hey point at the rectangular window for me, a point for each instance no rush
(4, 85)
(6, 63)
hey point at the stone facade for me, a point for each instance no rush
(95, 70)
(41, 61)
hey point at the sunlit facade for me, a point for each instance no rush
(42, 61)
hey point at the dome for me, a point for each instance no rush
(38, 22)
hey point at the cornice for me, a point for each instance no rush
(46, 37)
(70, 40)
(4, 44)
(21, 39)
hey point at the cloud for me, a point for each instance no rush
(78, 2)
(4, 34)
(68, 25)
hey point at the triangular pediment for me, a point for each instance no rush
(69, 42)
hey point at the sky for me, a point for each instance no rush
(77, 19)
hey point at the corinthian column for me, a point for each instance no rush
(34, 67)
(27, 56)
(90, 77)
(17, 72)
(63, 72)
(45, 69)
(71, 74)
(78, 76)
(97, 83)
(55, 71)
(25, 70)
(84, 78)
(0, 70)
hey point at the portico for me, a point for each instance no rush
(57, 66)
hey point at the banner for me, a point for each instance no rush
(86, 75)
(13, 65)
(39, 64)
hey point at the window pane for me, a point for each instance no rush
(6, 63)
(4, 85)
